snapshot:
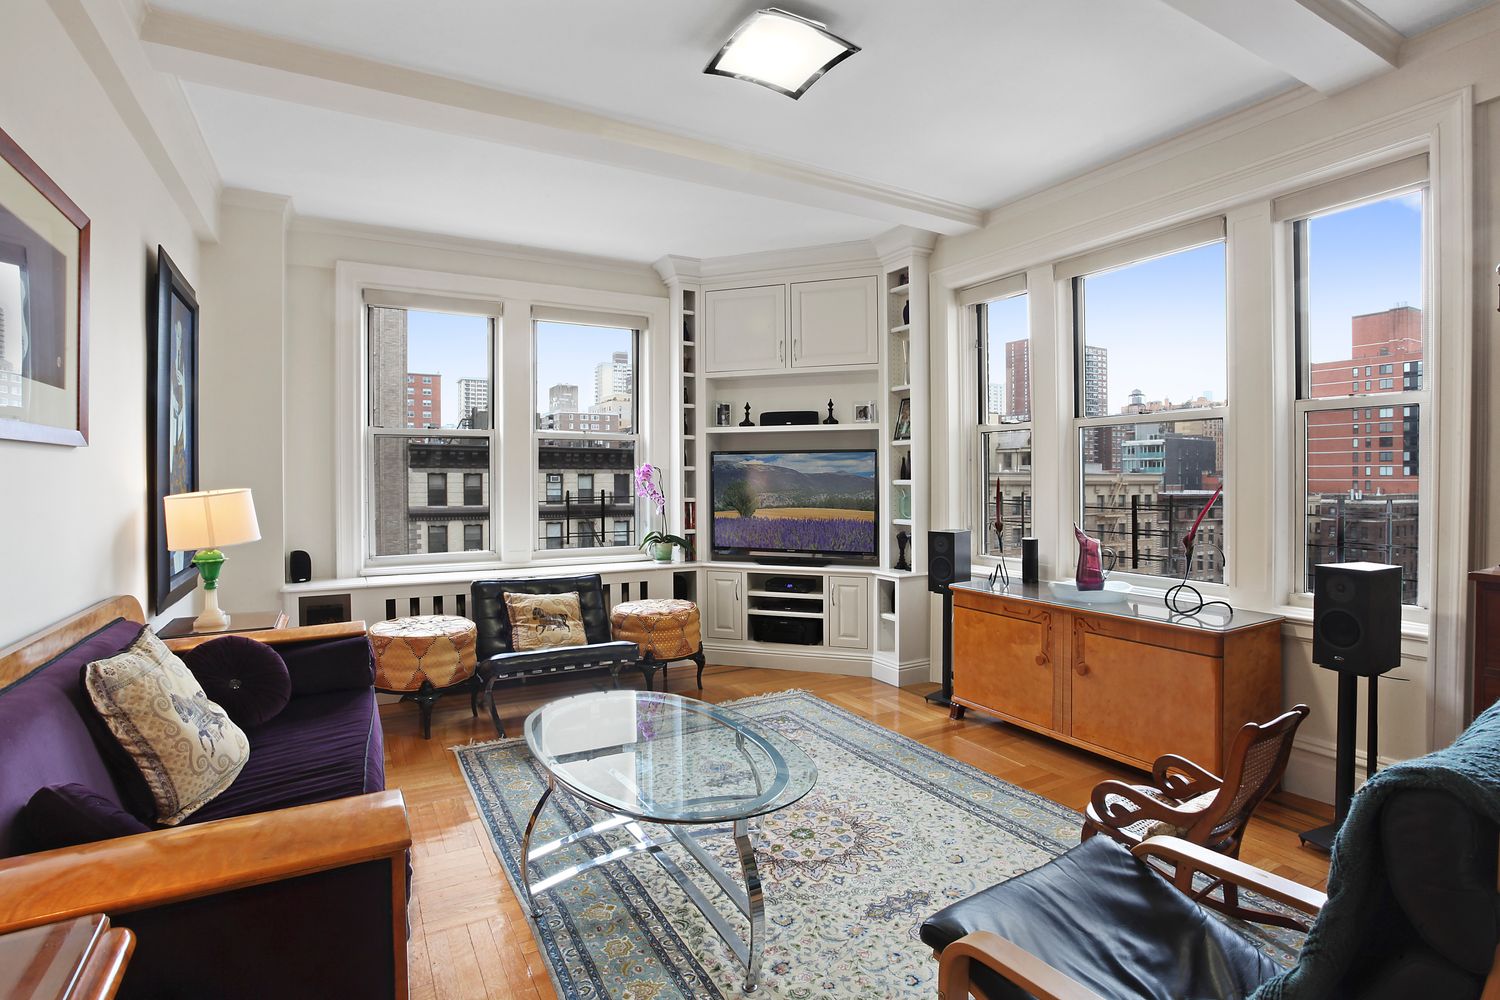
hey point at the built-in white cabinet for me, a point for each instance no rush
(849, 612)
(804, 325)
(724, 607)
(833, 323)
(746, 329)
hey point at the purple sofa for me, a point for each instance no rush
(291, 883)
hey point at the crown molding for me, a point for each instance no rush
(460, 244)
(903, 241)
(851, 256)
(680, 269)
(218, 55)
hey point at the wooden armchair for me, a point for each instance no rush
(1187, 801)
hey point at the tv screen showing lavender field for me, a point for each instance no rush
(810, 501)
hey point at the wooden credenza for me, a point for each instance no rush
(1129, 681)
(1486, 637)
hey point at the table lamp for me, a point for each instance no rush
(206, 521)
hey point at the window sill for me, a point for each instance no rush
(410, 576)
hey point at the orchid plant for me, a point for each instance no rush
(647, 489)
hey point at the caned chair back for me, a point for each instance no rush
(1257, 762)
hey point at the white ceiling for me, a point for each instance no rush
(1412, 17)
(349, 168)
(972, 102)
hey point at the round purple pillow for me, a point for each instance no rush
(248, 679)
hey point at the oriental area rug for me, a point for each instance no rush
(892, 832)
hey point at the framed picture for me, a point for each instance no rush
(864, 413)
(44, 306)
(172, 403)
(903, 419)
(721, 415)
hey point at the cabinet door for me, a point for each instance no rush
(1002, 662)
(726, 617)
(1141, 700)
(746, 329)
(834, 323)
(849, 612)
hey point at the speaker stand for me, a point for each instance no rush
(1343, 786)
(944, 695)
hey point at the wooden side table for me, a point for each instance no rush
(79, 959)
(239, 621)
(1486, 637)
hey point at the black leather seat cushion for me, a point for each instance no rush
(492, 622)
(1440, 862)
(1110, 922)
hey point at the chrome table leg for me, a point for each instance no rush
(756, 900)
(526, 847)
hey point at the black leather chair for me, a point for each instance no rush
(1100, 922)
(498, 661)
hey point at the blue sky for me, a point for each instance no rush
(456, 346)
(1163, 320)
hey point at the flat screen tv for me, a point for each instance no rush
(794, 505)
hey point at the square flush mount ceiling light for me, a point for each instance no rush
(781, 51)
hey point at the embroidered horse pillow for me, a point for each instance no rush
(184, 745)
(542, 621)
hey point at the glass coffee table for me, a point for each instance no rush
(693, 768)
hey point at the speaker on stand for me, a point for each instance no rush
(1356, 631)
(947, 562)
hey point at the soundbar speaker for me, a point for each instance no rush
(787, 418)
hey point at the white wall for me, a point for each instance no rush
(73, 520)
(1231, 167)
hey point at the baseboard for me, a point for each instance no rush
(905, 675)
(780, 657)
(1310, 770)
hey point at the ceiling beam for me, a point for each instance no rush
(1327, 44)
(218, 55)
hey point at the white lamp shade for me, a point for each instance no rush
(210, 519)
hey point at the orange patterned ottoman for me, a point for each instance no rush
(665, 630)
(422, 658)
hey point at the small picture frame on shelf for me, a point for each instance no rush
(722, 414)
(864, 413)
(903, 420)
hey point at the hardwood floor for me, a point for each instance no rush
(469, 939)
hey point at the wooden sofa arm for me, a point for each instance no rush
(278, 636)
(168, 866)
(1188, 859)
(1011, 961)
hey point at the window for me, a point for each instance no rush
(586, 426)
(473, 489)
(1359, 284)
(409, 465)
(1002, 337)
(473, 537)
(1150, 388)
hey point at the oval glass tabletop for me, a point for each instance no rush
(666, 758)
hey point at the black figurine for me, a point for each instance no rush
(747, 422)
(906, 311)
(830, 419)
(902, 538)
(905, 468)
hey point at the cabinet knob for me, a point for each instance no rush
(1042, 660)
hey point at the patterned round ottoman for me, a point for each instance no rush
(423, 658)
(666, 631)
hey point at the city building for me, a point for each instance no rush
(1018, 377)
(585, 494)
(473, 398)
(1183, 461)
(562, 399)
(1368, 449)
(424, 400)
(12, 391)
(572, 420)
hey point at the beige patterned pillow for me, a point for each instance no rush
(542, 621)
(185, 746)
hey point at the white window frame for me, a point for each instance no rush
(970, 301)
(606, 533)
(513, 465)
(1070, 275)
(1377, 184)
